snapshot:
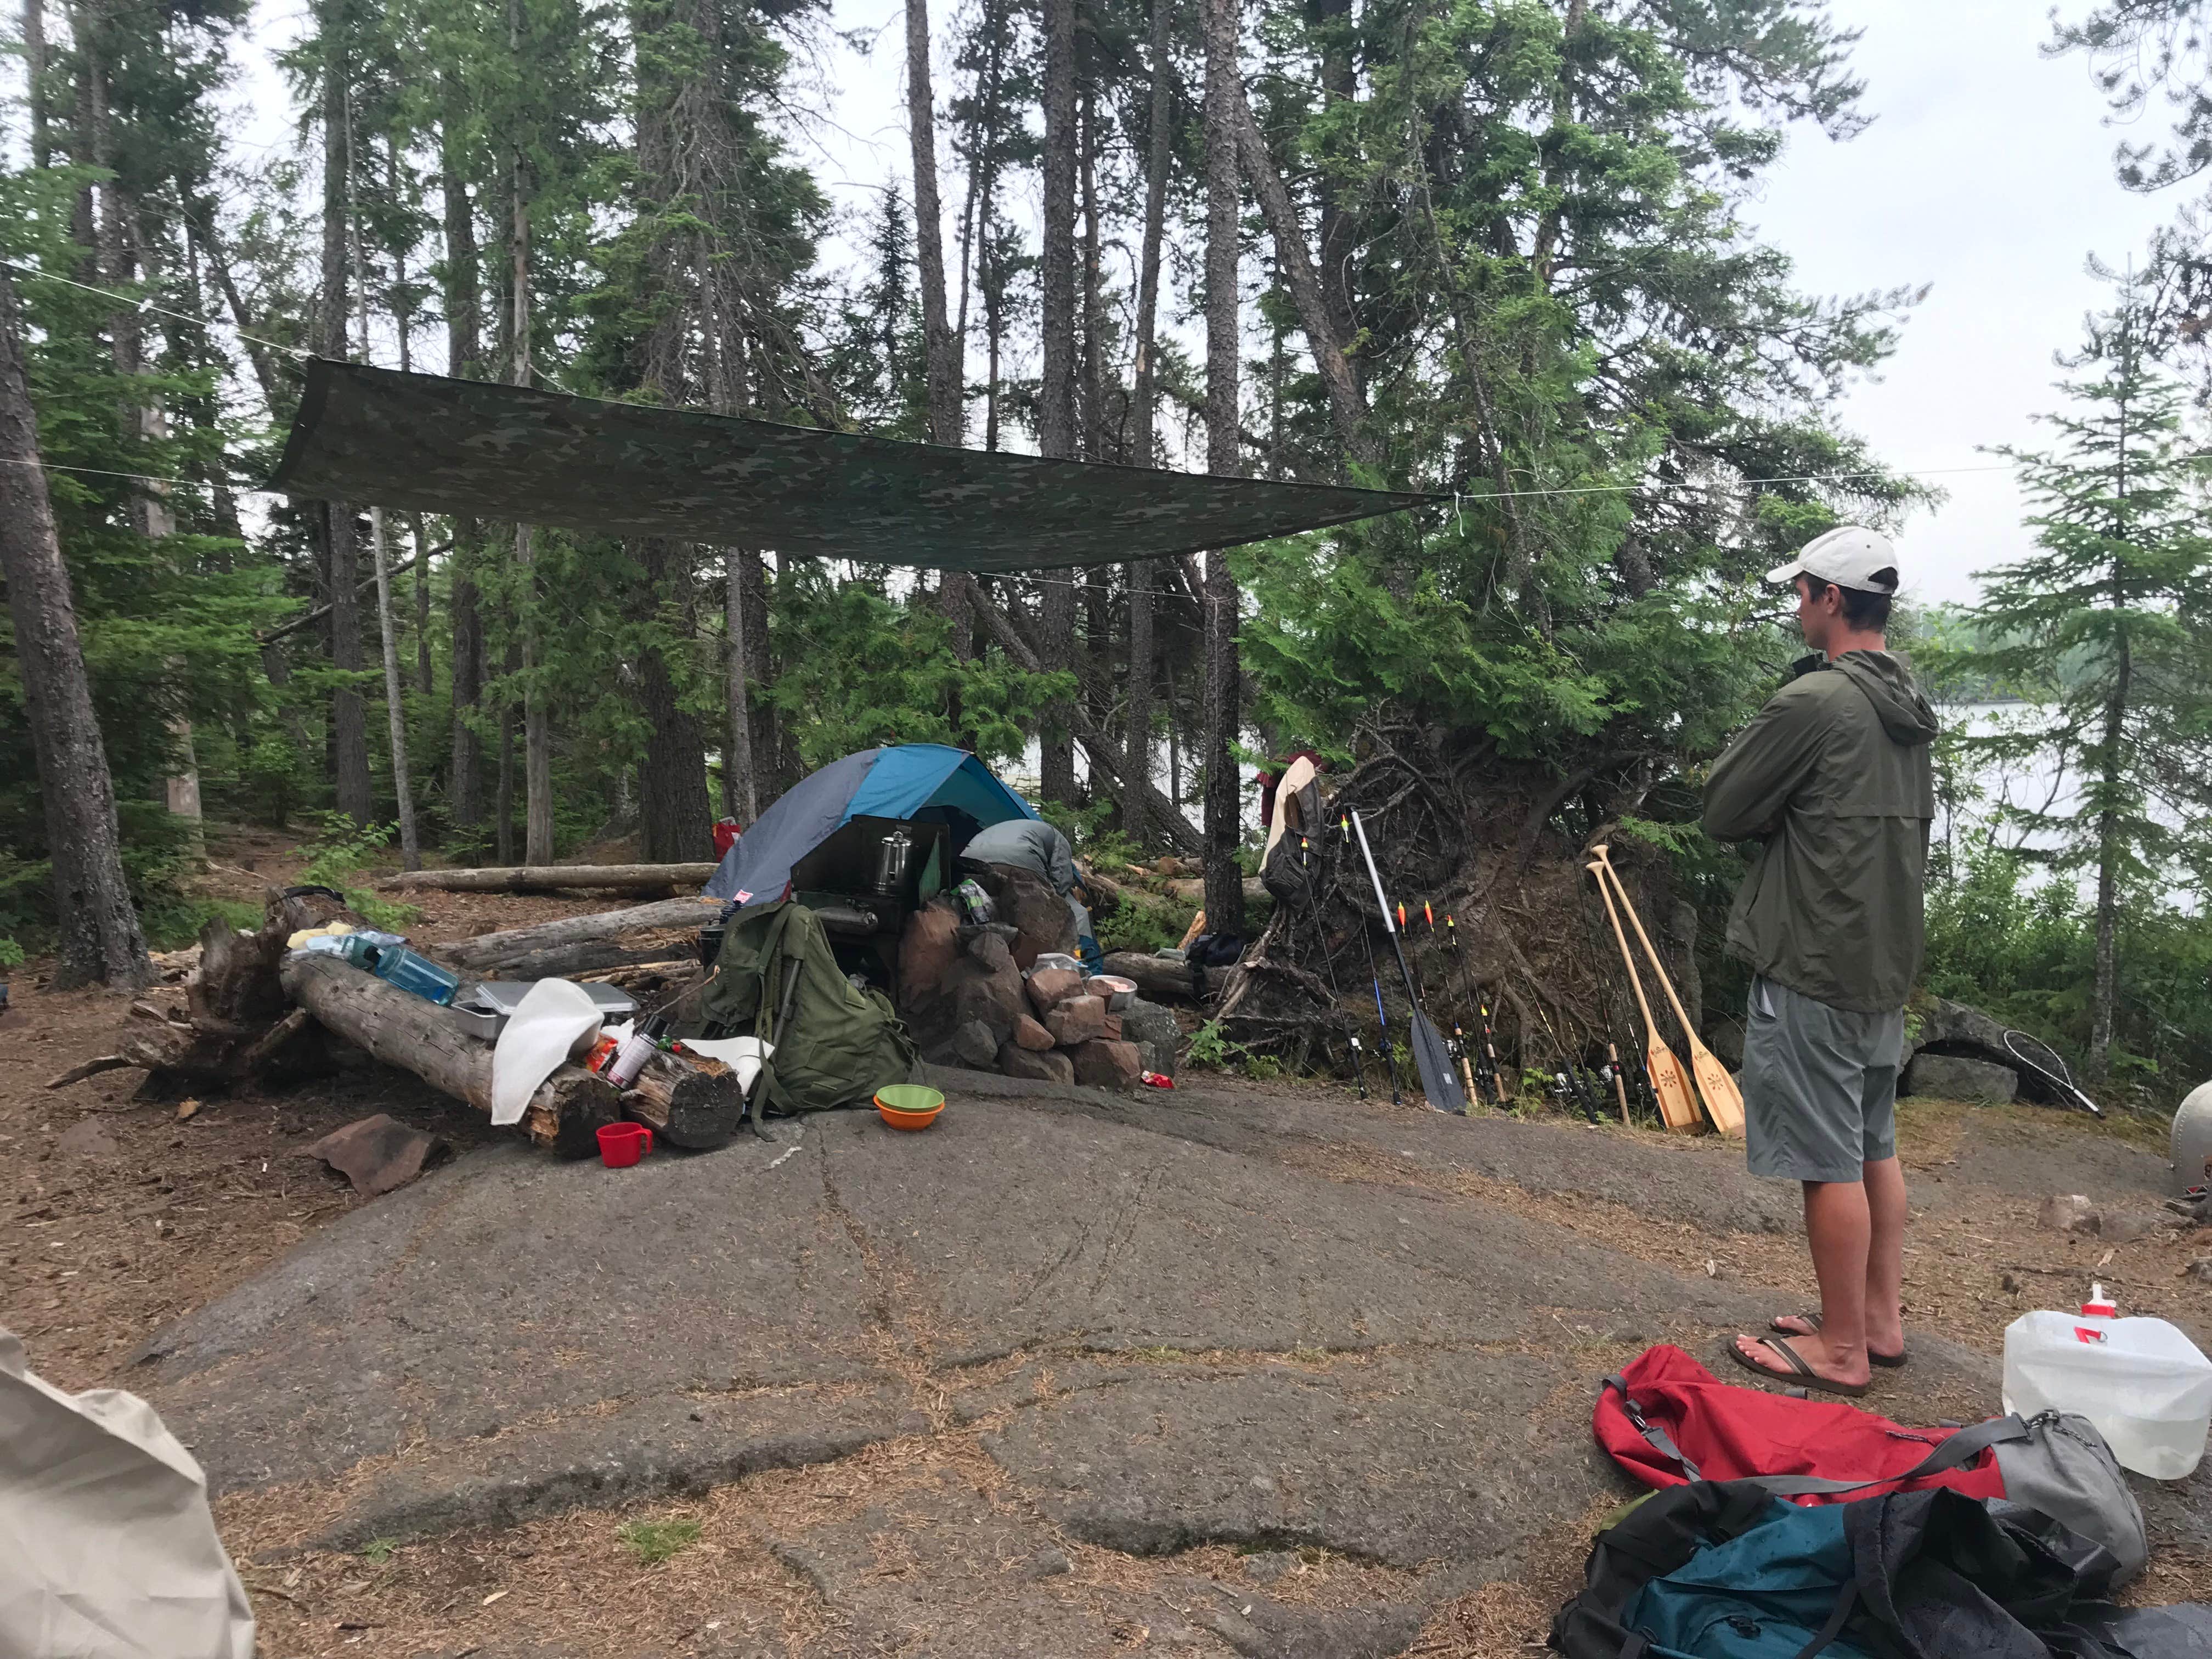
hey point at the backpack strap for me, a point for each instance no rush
(1955, 1452)
(1839, 1616)
(1958, 1449)
(1659, 1440)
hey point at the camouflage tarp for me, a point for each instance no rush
(425, 442)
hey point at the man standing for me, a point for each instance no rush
(1832, 778)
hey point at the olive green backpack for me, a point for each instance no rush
(777, 979)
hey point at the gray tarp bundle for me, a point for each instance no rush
(107, 1550)
(434, 445)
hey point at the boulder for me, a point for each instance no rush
(1953, 1077)
(1050, 1066)
(974, 1046)
(989, 946)
(1939, 1023)
(2126, 1227)
(2068, 1212)
(928, 950)
(994, 1000)
(1154, 1030)
(1111, 1031)
(1103, 1065)
(1039, 917)
(1028, 1033)
(1048, 987)
(1079, 1019)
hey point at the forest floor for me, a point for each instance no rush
(1242, 1369)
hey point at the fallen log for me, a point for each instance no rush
(569, 961)
(693, 1102)
(435, 1044)
(1162, 980)
(488, 951)
(1194, 891)
(545, 878)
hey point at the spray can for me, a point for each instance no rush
(637, 1047)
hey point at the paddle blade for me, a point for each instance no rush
(1434, 1059)
(1723, 1100)
(1676, 1104)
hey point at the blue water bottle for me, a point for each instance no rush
(396, 964)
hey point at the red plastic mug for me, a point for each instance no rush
(621, 1144)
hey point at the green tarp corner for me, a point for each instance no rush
(430, 444)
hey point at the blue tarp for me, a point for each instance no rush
(909, 780)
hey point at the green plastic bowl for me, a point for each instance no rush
(909, 1098)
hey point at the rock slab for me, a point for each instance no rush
(1953, 1077)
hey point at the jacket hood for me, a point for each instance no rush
(1882, 675)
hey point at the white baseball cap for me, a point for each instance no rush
(1850, 556)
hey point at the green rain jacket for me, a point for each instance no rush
(1834, 778)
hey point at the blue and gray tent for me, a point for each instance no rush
(928, 782)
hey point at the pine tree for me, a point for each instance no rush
(99, 934)
(2104, 628)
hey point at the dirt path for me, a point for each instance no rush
(1256, 1370)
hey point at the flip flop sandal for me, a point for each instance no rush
(1888, 1362)
(1800, 1374)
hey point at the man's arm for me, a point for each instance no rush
(1751, 784)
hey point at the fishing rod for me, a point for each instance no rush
(1494, 1070)
(1577, 1087)
(1438, 1082)
(1328, 961)
(1451, 958)
(1381, 1020)
(1617, 1069)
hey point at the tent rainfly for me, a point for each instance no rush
(430, 444)
(926, 780)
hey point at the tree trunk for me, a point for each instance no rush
(677, 817)
(1225, 96)
(1105, 757)
(1143, 448)
(99, 936)
(941, 349)
(34, 77)
(463, 350)
(740, 797)
(395, 704)
(350, 779)
(1347, 406)
(2105, 993)
(537, 725)
(1056, 389)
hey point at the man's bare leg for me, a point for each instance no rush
(1839, 1228)
(1885, 1279)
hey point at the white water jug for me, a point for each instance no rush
(2142, 1382)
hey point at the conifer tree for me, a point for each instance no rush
(2103, 628)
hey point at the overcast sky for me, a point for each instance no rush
(1986, 175)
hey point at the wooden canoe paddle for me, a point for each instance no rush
(1675, 1104)
(1723, 1100)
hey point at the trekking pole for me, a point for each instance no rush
(1438, 1082)
(1381, 1020)
(1328, 961)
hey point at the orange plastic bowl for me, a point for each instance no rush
(909, 1106)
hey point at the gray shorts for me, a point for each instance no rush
(1819, 1086)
